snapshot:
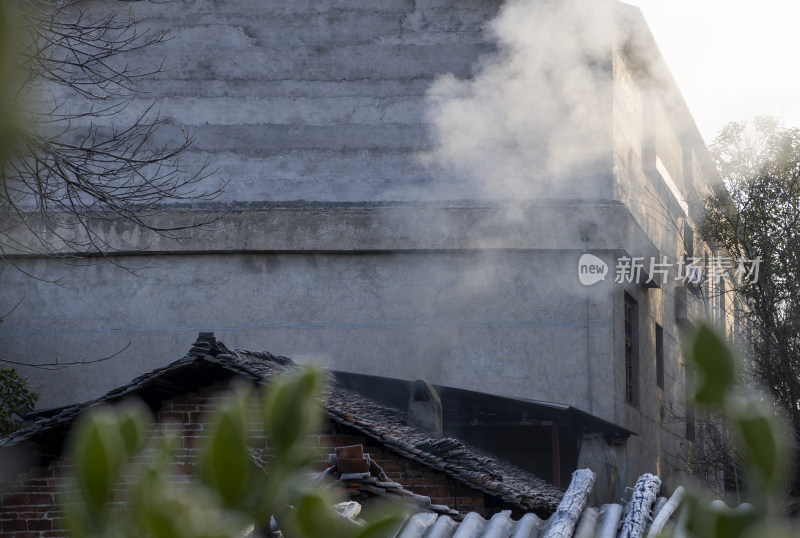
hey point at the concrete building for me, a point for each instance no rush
(385, 216)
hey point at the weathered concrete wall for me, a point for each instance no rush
(322, 101)
(316, 101)
(653, 146)
(484, 305)
(491, 321)
(336, 243)
(319, 100)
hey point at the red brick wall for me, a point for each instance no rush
(28, 506)
(421, 479)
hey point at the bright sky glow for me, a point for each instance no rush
(733, 59)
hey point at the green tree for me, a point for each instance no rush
(755, 213)
(14, 395)
(757, 433)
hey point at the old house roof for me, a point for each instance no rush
(208, 359)
(644, 515)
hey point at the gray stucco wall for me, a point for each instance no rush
(318, 100)
(491, 321)
(330, 100)
(337, 242)
(326, 102)
(651, 125)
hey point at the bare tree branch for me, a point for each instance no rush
(63, 364)
(80, 166)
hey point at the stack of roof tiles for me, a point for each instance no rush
(359, 477)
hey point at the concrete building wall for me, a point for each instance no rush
(659, 172)
(323, 100)
(490, 321)
(329, 100)
(336, 242)
(296, 103)
(649, 155)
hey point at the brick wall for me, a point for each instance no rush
(423, 480)
(29, 504)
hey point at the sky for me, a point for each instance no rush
(733, 59)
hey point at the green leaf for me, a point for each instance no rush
(80, 520)
(716, 367)
(163, 523)
(715, 519)
(733, 522)
(314, 517)
(757, 431)
(290, 407)
(97, 448)
(14, 395)
(151, 507)
(133, 421)
(225, 459)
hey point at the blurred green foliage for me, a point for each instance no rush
(117, 466)
(10, 122)
(14, 391)
(14, 395)
(757, 431)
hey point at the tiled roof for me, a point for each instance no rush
(467, 464)
(385, 425)
(609, 521)
(204, 352)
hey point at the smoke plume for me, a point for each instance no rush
(538, 110)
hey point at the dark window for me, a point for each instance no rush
(659, 356)
(630, 350)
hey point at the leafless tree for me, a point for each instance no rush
(709, 456)
(76, 168)
(68, 164)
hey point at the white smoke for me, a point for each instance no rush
(538, 110)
